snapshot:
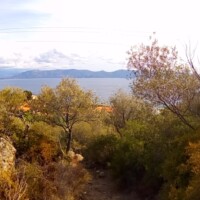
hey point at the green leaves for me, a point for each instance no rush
(126, 107)
(66, 99)
(65, 105)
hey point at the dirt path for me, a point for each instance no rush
(102, 187)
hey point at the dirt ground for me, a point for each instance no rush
(102, 187)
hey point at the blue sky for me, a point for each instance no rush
(90, 34)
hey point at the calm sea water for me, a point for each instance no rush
(102, 87)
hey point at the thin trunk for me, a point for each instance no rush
(69, 132)
(69, 139)
(118, 130)
(26, 129)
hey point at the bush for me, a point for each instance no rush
(42, 145)
(101, 150)
(55, 181)
(14, 186)
(68, 181)
(126, 164)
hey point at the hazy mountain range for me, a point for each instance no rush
(9, 72)
(61, 73)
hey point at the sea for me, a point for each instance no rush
(103, 88)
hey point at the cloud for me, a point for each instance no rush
(14, 60)
(52, 56)
(56, 59)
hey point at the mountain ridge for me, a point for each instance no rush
(72, 73)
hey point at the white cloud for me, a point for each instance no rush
(56, 59)
(99, 32)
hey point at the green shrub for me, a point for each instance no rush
(101, 150)
(126, 163)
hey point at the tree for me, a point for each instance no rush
(65, 106)
(11, 100)
(126, 107)
(162, 80)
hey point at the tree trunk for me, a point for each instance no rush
(26, 129)
(69, 139)
(69, 132)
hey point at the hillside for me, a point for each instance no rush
(73, 73)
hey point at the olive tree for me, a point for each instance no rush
(126, 107)
(65, 105)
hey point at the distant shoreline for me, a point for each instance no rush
(102, 87)
(13, 78)
(63, 73)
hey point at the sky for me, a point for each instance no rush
(90, 34)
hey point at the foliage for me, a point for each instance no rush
(149, 139)
(126, 163)
(13, 187)
(57, 180)
(28, 94)
(42, 145)
(68, 180)
(101, 149)
(161, 79)
(65, 106)
(126, 107)
(192, 190)
(11, 99)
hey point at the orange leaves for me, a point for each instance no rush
(193, 150)
(48, 151)
(44, 152)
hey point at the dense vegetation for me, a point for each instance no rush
(149, 140)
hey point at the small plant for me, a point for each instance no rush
(13, 187)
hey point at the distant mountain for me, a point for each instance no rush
(72, 73)
(7, 72)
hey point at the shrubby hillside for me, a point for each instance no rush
(148, 140)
